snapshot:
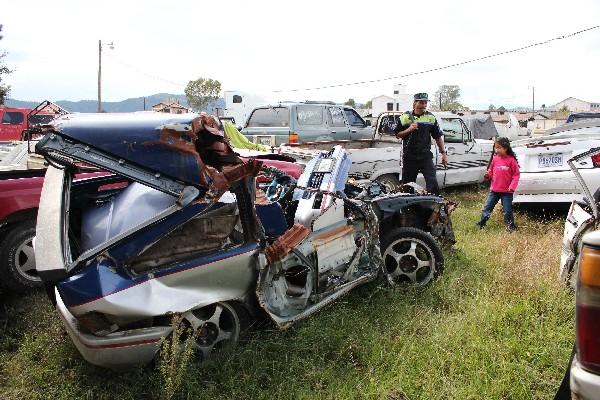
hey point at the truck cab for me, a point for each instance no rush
(13, 123)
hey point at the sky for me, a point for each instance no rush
(272, 48)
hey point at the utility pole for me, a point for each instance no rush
(99, 75)
(440, 101)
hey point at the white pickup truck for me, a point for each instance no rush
(380, 158)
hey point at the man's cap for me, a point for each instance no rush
(421, 97)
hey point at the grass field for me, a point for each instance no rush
(496, 325)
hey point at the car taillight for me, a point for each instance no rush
(587, 325)
(293, 137)
(596, 161)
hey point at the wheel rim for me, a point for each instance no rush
(409, 260)
(24, 261)
(216, 328)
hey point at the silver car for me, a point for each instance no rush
(181, 230)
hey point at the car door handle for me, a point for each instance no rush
(353, 131)
(333, 131)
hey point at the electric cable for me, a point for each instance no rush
(443, 67)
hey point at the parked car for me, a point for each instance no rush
(202, 243)
(545, 175)
(380, 157)
(583, 217)
(585, 365)
(305, 122)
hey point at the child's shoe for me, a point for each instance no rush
(480, 224)
(512, 227)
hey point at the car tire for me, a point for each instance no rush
(411, 256)
(389, 182)
(17, 259)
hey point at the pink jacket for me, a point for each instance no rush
(504, 173)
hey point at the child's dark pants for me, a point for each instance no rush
(490, 203)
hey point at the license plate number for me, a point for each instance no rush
(550, 160)
(265, 140)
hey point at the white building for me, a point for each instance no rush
(401, 101)
(576, 105)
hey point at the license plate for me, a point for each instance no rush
(550, 160)
(265, 140)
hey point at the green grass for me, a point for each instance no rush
(496, 325)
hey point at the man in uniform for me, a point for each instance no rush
(416, 128)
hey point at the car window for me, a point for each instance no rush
(388, 124)
(353, 118)
(453, 130)
(274, 117)
(336, 116)
(310, 115)
(13, 118)
(40, 119)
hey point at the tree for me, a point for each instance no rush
(201, 92)
(501, 108)
(564, 109)
(4, 89)
(492, 107)
(369, 104)
(350, 103)
(446, 98)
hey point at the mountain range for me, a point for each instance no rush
(127, 105)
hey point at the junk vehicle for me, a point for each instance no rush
(21, 179)
(580, 269)
(380, 157)
(290, 122)
(191, 236)
(16, 121)
(545, 174)
(582, 217)
(584, 368)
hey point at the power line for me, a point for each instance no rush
(445, 66)
(136, 69)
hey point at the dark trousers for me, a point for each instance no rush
(490, 203)
(412, 167)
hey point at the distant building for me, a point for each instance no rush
(400, 101)
(171, 107)
(577, 105)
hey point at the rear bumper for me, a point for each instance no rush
(555, 187)
(584, 384)
(119, 350)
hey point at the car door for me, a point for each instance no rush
(311, 123)
(13, 123)
(465, 161)
(358, 127)
(336, 123)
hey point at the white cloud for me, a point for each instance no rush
(270, 45)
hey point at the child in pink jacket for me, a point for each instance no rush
(504, 174)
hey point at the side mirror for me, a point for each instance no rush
(239, 128)
(368, 122)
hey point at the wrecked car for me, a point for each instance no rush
(181, 230)
(583, 217)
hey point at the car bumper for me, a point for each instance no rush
(554, 187)
(119, 350)
(584, 385)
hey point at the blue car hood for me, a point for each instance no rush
(146, 139)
